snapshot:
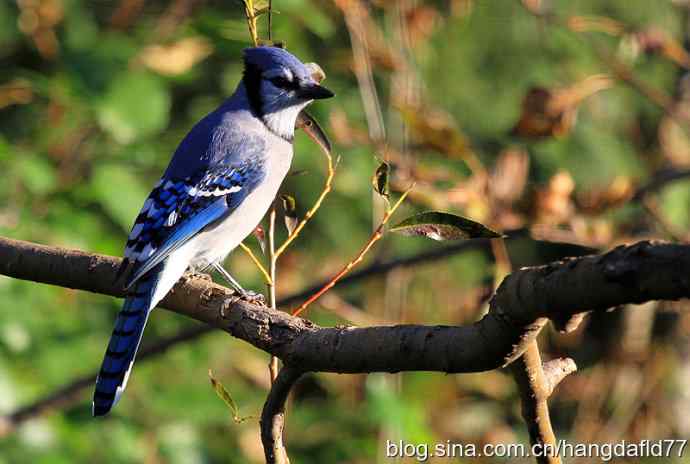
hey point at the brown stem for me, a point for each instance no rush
(272, 260)
(534, 392)
(375, 237)
(273, 416)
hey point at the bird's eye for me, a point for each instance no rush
(282, 82)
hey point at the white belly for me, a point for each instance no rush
(216, 243)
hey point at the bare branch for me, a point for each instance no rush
(534, 393)
(521, 306)
(273, 416)
(628, 274)
(68, 393)
(659, 180)
(375, 237)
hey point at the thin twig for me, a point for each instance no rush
(650, 205)
(250, 15)
(354, 13)
(326, 189)
(272, 259)
(273, 416)
(659, 180)
(376, 236)
(267, 277)
(270, 20)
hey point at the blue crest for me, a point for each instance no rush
(264, 58)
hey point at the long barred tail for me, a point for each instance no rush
(122, 349)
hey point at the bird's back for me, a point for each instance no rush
(226, 136)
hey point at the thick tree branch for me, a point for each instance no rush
(628, 274)
(69, 393)
(521, 306)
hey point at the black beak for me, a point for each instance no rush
(315, 92)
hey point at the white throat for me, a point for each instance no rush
(282, 122)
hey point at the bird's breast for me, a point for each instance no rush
(217, 242)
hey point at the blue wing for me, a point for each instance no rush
(177, 210)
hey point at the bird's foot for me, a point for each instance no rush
(251, 297)
(198, 275)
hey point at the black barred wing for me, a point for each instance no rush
(177, 209)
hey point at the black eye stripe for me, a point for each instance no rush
(284, 83)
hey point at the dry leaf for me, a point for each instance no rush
(176, 58)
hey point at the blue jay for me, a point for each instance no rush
(219, 184)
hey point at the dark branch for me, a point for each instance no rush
(273, 416)
(628, 274)
(521, 306)
(69, 393)
(659, 180)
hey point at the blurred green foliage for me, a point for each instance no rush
(89, 119)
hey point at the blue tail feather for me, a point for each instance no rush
(123, 345)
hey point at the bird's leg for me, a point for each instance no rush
(247, 295)
(228, 278)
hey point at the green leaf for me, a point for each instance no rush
(224, 395)
(380, 179)
(136, 105)
(290, 209)
(438, 225)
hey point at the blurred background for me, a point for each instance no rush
(564, 124)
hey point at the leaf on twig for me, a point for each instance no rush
(224, 395)
(290, 209)
(380, 180)
(260, 237)
(438, 225)
(308, 124)
(297, 173)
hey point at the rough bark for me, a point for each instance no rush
(518, 310)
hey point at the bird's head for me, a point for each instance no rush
(278, 87)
